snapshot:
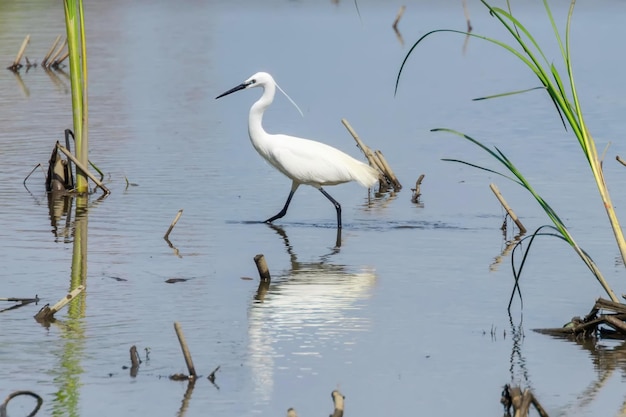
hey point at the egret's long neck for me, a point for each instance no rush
(255, 120)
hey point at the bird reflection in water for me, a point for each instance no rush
(308, 309)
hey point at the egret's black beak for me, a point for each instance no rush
(232, 90)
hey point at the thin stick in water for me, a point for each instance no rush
(56, 54)
(186, 354)
(82, 168)
(364, 148)
(398, 17)
(16, 64)
(52, 48)
(390, 174)
(508, 209)
(47, 313)
(167, 234)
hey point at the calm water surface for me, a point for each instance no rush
(400, 318)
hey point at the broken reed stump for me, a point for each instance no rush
(47, 313)
(261, 266)
(3, 406)
(508, 209)
(338, 400)
(134, 356)
(520, 401)
(376, 160)
(264, 275)
(415, 198)
(611, 324)
(134, 361)
(186, 354)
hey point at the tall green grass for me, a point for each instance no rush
(562, 91)
(75, 25)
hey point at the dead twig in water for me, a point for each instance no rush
(52, 48)
(3, 407)
(22, 302)
(211, 376)
(415, 198)
(56, 54)
(16, 64)
(398, 17)
(395, 24)
(47, 313)
(31, 173)
(508, 209)
(57, 62)
(185, 348)
(167, 234)
(520, 401)
(83, 168)
(620, 160)
(376, 160)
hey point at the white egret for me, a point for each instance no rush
(304, 161)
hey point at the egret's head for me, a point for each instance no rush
(260, 79)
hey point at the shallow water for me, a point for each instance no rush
(401, 317)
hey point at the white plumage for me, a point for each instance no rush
(304, 161)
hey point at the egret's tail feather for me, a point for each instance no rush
(366, 175)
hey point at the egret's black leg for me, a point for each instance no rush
(336, 204)
(294, 187)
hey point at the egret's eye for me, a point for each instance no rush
(252, 82)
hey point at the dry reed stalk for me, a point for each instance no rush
(185, 349)
(16, 64)
(47, 313)
(508, 209)
(52, 48)
(62, 58)
(389, 172)
(364, 148)
(56, 54)
(167, 234)
(83, 168)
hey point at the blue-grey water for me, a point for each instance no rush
(400, 318)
